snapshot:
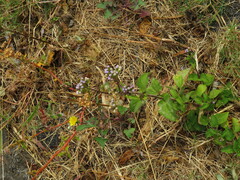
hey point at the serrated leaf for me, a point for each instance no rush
(236, 125)
(101, 141)
(201, 89)
(154, 87)
(214, 93)
(218, 119)
(129, 132)
(142, 82)
(85, 126)
(180, 77)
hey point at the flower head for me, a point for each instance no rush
(73, 120)
(112, 73)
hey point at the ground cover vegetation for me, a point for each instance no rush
(127, 89)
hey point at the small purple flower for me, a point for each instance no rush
(111, 73)
(83, 84)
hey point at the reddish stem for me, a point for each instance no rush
(57, 152)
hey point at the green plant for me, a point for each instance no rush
(206, 11)
(196, 105)
(228, 44)
(112, 10)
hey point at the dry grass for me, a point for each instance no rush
(83, 40)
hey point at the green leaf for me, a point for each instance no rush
(192, 122)
(142, 82)
(218, 119)
(174, 93)
(201, 89)
(236, 125)
(207, 78)
(154, 87)
(228, 149)
(212, 133)
(129, 132)
(180, 77)
(122, 110)
(102, 5)
(236, 146)
(135, 103)
(167, 109)
(193, 77)
(228, 134)
(131, 120)
(214, 93)
(219, 177)
(101, 141)
(107, 14)
(204, 120)
(32, 115)
(85, 126)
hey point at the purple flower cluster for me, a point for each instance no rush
(83, 84)
(128, 89)
(111, 73)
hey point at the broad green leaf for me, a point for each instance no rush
(107, 14)
(167, 110)
(207, 78)
(212, 133)
(214, 93)
(122, 110)
(154, 87)
(129, 132)
(131, 120)
(193, 77)
(204, 106)
(102, 5)
(228, 134)
(236, 125)
(204, 120)
(218, 119)
(135, 103)
(85, 126)
(101, 141)
(201, 89)
(222, 102)
(174, 93)
(228, 149)
(180, 77)
(142, 82)
(192, 122)
(236, 146)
